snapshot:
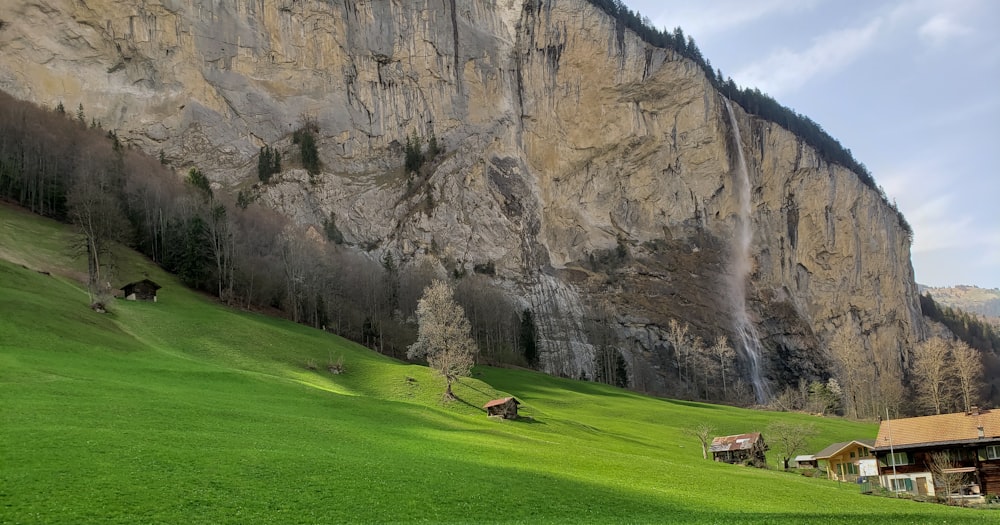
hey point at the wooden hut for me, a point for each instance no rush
(504, 407)
(741, 448)
(805, 461)
(144, 290)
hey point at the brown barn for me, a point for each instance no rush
(740, 448)
(144, 290)
(505, 407)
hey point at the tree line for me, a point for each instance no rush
(244, 254)
(940, 375)
(971, 329)
(753, 100)
(705, 370)
(946, 376)
(975, 332)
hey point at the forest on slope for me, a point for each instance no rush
(61, 165)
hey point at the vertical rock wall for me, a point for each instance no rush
(568, 140)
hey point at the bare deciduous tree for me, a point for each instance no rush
(968, 365)
(444, 336)
(704, 433)
(413, 280)
(852, 369)
(946, 481)
(609, 364)
(95, 208)
(789, 438)
(930, 373)
(493, 318)
(701, 368)
(677, 336)
(725, 354)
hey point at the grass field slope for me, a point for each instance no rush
(184, 411)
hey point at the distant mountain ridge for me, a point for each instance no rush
(971, 299)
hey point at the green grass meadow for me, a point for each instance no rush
(185, 411)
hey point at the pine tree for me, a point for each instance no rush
(414, 157)
(264, 164)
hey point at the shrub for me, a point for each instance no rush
(336, 367)
(304, 137)
(486, 268)
(268, 163)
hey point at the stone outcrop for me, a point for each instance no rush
(595, 171)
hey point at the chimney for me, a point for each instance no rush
(974, 411)
(982, 432)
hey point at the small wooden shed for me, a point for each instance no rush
(740, 448)
(144, 290)
(805, 461)
(504, 407)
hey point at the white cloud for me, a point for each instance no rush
(937, 23)
(991, 255)
(785, 71)
(938, 225)
(936, 213)
(941, 28)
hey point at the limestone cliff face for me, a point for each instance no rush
(566, 138)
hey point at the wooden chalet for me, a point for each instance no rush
(741, 448)
(849, 460)
(504, 407)
(971, 440)
(144, 290)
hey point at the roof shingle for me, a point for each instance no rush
(942, 428)
(836, 448)
(737, 442)
(497, 402)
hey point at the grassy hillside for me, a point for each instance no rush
(184, 411)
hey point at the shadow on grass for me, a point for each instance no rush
(455, 399)
(472, 386)
(545, 385)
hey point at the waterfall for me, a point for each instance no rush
(747, 339)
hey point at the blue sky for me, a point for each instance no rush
(912, 87)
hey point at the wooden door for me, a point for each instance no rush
(922, 486)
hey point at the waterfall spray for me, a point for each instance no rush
(747, 340)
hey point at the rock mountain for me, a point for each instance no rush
(597, 173)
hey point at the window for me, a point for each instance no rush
(863, 452)
(851, 468)
(853, 455)
(902, 485)
(993, 452)
(899, 458)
